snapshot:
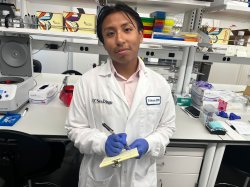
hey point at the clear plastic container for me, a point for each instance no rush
(207, 113)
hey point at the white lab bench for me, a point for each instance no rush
(193, 156)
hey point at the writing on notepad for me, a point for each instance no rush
(125, 155)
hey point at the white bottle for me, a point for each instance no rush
(26, 21)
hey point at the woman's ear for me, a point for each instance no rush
(141, 35)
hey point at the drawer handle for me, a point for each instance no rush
(160, 164)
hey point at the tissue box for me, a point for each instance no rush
(78, 22)
(182, 101)
(50, 21)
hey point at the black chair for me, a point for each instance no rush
(24, 157)
(37, 66)
(72, 72)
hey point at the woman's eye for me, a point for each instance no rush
(128, 29)
(108, 34)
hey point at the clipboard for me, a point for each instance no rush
(116, 160)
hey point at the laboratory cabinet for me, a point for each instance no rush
(180, 166)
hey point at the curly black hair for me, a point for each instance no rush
(119, 7)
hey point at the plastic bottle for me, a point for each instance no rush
(34, 21)
(17, 20)
(239, 39)
(26, 21)
(30, 21)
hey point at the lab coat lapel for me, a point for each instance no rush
(115, 87)
(140, 93)
(112, 84)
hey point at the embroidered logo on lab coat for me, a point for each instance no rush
(153, 100)
(104, 101)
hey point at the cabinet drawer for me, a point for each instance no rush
(176, 180)
(179, 164)
(185, 151)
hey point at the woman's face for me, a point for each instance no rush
(121, 38)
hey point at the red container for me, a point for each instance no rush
(147, 27)
(67, 94)
(147, 35)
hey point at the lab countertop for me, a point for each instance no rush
(48, 119)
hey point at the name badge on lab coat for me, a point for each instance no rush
(153, 100)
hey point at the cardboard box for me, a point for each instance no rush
(219, 35)
(78, 22)
(235, 34)
(50, 21)
(247, 91)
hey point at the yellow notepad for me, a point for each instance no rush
(125, 154)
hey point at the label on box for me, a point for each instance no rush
(50, 21)
(77, 22)
(219, 35)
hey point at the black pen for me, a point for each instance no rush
(232, 127)
(112, 132)
(108, 128)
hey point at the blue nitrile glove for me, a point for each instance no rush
(233, 116)
(141, 145)
(222, 114)
(115, 143)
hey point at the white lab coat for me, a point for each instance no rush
(98, 98)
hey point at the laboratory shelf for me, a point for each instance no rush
(92, 37)
(220, 58)
(228, 10)
(179, 6)
(48, 33)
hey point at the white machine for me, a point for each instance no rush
(13, 96)
(43, 94)
(16, 68)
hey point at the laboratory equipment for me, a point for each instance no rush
(43, 94)
(16, 78)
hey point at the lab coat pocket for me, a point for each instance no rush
(98, 177)
(94, 183)
(149, 120)
(145, 174)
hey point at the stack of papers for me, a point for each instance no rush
(240, 126)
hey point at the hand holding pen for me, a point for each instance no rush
(115, 142)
